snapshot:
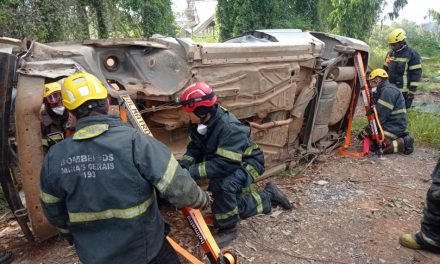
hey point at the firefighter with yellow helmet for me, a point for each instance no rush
(403, 65)
(390, 106)
(98, 187)
(55, 119)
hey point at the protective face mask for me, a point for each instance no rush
(202, 129)
(59, 110)
(374, 89)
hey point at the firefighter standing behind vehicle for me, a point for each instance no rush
(55, 119)
(391, 110)
(220, 149)
(99, 186)
(403, 65)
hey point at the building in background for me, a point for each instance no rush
(195, 18)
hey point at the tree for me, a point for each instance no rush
(434, 15)
(237, 16)
(60, 20)
(397, 6)
(150, 17)
(99, 9)
(354, 18)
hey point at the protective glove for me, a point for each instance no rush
(204, 201)
(185, 164)
(409, 96)
(370, 111)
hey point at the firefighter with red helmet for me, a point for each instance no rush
(220, 150)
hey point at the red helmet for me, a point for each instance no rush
(196, 95)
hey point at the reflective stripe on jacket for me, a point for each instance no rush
(100, 186)
(404, 69)
(391, 110)
(225, 148)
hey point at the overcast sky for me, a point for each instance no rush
(416, 10)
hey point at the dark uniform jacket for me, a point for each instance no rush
(53, 127)
(225, 148)
(390, 106)
(404, 69)
(100, 185)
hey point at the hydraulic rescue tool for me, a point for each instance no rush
(129, 112)
(375, 128)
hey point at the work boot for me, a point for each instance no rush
(408, 145)
(410, 241)
(225, 236)
(276, 196)
(6, 257)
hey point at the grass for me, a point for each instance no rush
(429, 87)
(431, 67)
(210, 39)
(359, 122)
(291, 171)
(424, 127)
(4, 207)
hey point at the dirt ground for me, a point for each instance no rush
(347, 210)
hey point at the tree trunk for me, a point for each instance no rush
(98, 6)
(83, 20)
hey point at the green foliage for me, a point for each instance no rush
(377, 57)
(354, 18)
(434, 15)
(397, 6)
(431, 67)
(235, 17)
(153, 16)
(358, 123)
(210, 39)
(424, 127)
(429, 86)
(4, 207)
(61, 20)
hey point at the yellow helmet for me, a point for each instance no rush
(378, 73)
(396, 35)
(50, 88)
(81, 87)
(52, 94)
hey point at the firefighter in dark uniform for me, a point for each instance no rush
(99, 188)
(54, 117)
(221, 150)
(390, 106)
(403, 65)
(429, 235)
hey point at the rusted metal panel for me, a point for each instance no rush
(30, 150)
(227, 53)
